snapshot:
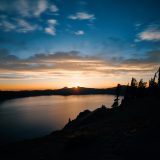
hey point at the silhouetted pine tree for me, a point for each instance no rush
(116, 100)
(142, 84)
(133, 88)
(159, 77)
(141, 90)
(134, 83)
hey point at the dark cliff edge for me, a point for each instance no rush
(130, 131)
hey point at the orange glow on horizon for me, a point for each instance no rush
(74, 80)
(44, 87)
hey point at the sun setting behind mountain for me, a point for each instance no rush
(47, 44)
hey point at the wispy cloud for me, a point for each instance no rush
(82, 16)
(24, 16)
(79, 33)
(50, 30)
(7, 26)
(41, 7)
(62, 63)
(54, 8)
(151, 33)
(51, 27)
(27, 8)
(18, 25)
(24, 26)
(52, 22)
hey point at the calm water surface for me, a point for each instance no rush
(31, 117)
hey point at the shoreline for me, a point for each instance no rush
(7, 95)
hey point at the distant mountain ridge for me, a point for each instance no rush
(83, 91)
(5, 95)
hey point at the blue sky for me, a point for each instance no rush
(116, 31)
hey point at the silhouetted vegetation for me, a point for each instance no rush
(117, 94)
(140, 89)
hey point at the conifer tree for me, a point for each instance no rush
(159, 77)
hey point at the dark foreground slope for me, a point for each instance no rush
(131, 131)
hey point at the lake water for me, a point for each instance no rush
(31, 117)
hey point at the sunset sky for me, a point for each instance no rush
(47, 44)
